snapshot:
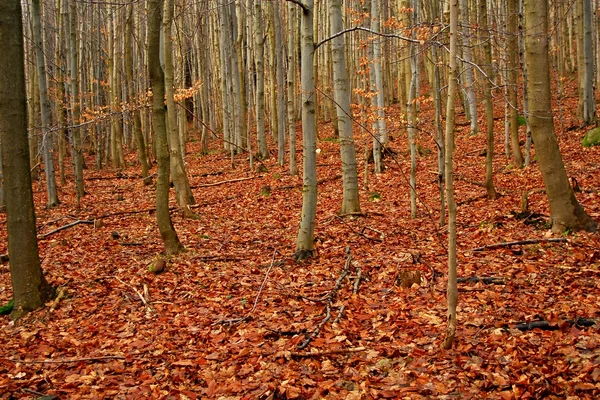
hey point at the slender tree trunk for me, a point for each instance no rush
(565, 210)
(411, 111)
(512, 17)
(305, 240)
(281, 104)
(133, 103)
(157, 80)
(452, 291)
(468, 68)
(30, 288)
(259, 60)
(180, 180)
(76, 142)
(378, 100)
(350, 199)
(291, 89)
(489, 107)
(589, 101)
(44, 105)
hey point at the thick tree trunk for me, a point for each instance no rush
(565, 210)
(30, 289)
(157, 80)
(350, 199)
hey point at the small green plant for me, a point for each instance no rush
(521, 121)
(265, 191)
(374, 196)
(202, 236)
(7, 309)
(277, 176)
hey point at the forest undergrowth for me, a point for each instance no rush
(235, 317)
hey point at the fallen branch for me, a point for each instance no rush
(488, 280)
(72, 224)
(547, 326)
(245, 318)
(518, 243)
(62, 361)
(148, 306)
(330, 299)
(329, 352)
(224, 182)
(357, 232)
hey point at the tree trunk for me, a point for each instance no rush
(291, 89)
(180, 180)
(350, 199)
(378, 100)
(512, 18)
(565, 210)
(489, 106)
(589, 101)
(157, 80)
(44, 105)
(468, 68)
(452, 291)
(30, 289)
(259, 59)
(76, 142)
(305, 240)
(133, 103)
(281, 105)
(411, 111)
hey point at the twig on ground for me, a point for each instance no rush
(63, 361)
(357, 280)
(357, 232)
(249, 314)
(137, 292)
(488, 280)
(330, 299)
(72, 224)
(329, 352)
(519, 242)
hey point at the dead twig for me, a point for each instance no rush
(62, 361)
(357, 232)
(140, 295)
(519, 243)
(72, 224)
(247, 316)
(330, 299)
(224, 182)
(329, 352)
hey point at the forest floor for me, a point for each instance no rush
(230, 317)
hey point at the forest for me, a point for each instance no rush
(299, 199)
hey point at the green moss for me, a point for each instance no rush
(592, 138)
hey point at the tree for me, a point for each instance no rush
(350, 198)
(452, 290)
(489, 107)
(565, 210)
(44, 104)
(178, 173)
(306, 233)
(157, 80)
(259, 61)
(380, 137)
(512, 50)
(30, 288)
(76, 142)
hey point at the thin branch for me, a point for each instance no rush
(63, 361)
(85, 221)
(360, 28)
(519, 242)
(301, 4)
(329, 352)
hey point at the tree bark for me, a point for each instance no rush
(157, 80)
(30, 288)
(565, 210)
(350, 198)
(180, 180)
(489, 106)
(512, 17)
(452, 290)
(305, 240)
(45, 111)
(259, 60)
